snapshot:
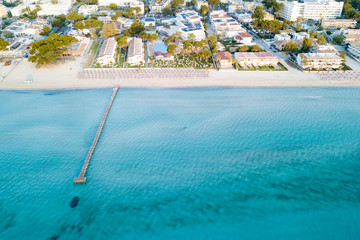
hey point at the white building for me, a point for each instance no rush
(135, 52)
(49, 9)
(256, 58)
(119, 3)
(87, 9)
(300, 36)
(281, 37)
(311, 9)
(139, 4)
(17, 27)
(188, 23)
(338, 23)
(200, 3)
(325, 48)
(16, 49)
(350, 35)
(34, 29)
(319, 61)
(236, 5)
(17, 11)
(149, 22)
(157, 7)
(354, 49)
(244, 39)
(107, 52)
(244, 17)
(3, 11)
(224, 25)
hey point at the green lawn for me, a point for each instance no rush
(184, 61)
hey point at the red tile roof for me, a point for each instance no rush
(225, 55)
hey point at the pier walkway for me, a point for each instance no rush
(81, 178)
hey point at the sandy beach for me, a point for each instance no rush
(24, 75)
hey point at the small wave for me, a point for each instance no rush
(311, 97)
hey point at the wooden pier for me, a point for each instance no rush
(81, 178)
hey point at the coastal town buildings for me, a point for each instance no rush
(187, 23)
(17, 11)
(123, 3)
(244, 17)
(325, 48)
(135, 54)
(338, 23)
(87, 9)
(78, 49)
(200, 3)
(281, 37)
(244, 38)
(287, 31)
(319, 61)
(224, 25)
(138, 4)
(164, 56)
(311, 9)
(16, 49)
(224, 60)
(50, 9)
(149, 22)
(350, 35)
(17, 27)
(354, 49)
(268, 16)
(3, 11)
(107, 52)
(256, 59)
(237, 5)
(156, 6)
(280, 44)
(300, 36)
(34, 28)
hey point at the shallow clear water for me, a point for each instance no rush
(210, 163)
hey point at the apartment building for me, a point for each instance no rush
(87, 9)
(156, 6)
(256, 59)
(3, 11)
(350, 35)
(325, 48)
(338, 23)
(107, 52)
(135, 51)
(224, 25)
(281, 37)
(244, 38)
(311, 9)
(50, 9)
(354, 49)
(319, 60)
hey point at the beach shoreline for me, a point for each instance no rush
(24, 76)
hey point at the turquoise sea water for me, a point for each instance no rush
(207, 163)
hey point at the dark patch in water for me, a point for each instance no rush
(74, 202)
(55, 237)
